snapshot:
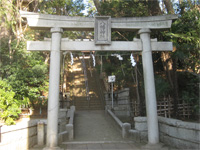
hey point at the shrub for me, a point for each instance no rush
(9, 106)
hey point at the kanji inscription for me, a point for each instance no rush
(102, 30)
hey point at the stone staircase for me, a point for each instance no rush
(78, 87)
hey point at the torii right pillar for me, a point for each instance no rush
(150, 93)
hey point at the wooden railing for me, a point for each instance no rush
(165, 108)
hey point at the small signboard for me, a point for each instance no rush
(111, 79)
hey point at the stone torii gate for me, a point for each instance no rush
(102, 27)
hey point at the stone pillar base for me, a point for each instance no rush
(159, 146)
(52, 148)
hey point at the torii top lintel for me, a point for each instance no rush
(45, 21)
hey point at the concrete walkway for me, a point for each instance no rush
(95, 126)
(95, 130)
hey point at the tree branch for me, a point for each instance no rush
(169, 7)
(97, 5)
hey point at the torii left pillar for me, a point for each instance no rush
(53, 100)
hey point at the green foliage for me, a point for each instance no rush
(162, 87)
(66, 8)
(189, 88)
(119, 8)
(185, 33)
(62, 7)
(122, 69)
(91, 9)
(9, 106)
(25, 71)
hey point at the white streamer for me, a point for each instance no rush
(118, 56)
(72, 59)
(132, 60)
(94, 62)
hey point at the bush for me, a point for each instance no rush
(9, 106)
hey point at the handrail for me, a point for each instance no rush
(72, 111)
(102, 100)
(70, 125)
(125, 127)
(119, 122)
(85, 76)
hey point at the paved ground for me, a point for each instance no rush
(112, 146)
(106, 146)
(94, 130)
(103, 146)
(95, 126)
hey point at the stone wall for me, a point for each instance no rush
(32, 133)
(121, 102)
(21, 136)
(177, 133)
(141, 127)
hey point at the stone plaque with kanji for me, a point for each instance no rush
(102, 31)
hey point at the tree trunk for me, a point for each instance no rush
(172, 75)
(97, 5)
(167, 65)
(36, 2)
(47, 58)
(139, 94)
(170, 67)
(175, 88)
(10, 48)
(137, 91)
(169, 6)
(153, 7)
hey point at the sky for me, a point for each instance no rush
(85, 2)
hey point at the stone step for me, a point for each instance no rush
(85, 101)
(78, 81)
(88, 108)
(86, 105)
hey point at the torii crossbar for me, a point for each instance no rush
(102, 27)
(67, 45)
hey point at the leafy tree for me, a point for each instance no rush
(186, 38)
(9, 106)
(27, 72)
(62, 7)
(185, 33)
(24, 72)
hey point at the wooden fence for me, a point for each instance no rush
(165, 108)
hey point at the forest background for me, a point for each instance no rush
(24, 75)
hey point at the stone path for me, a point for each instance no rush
(103, 146)
(106, 146)
(95, 126)
(95, 130)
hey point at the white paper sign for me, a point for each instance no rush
(111, 79)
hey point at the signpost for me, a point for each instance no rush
(111, 79)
